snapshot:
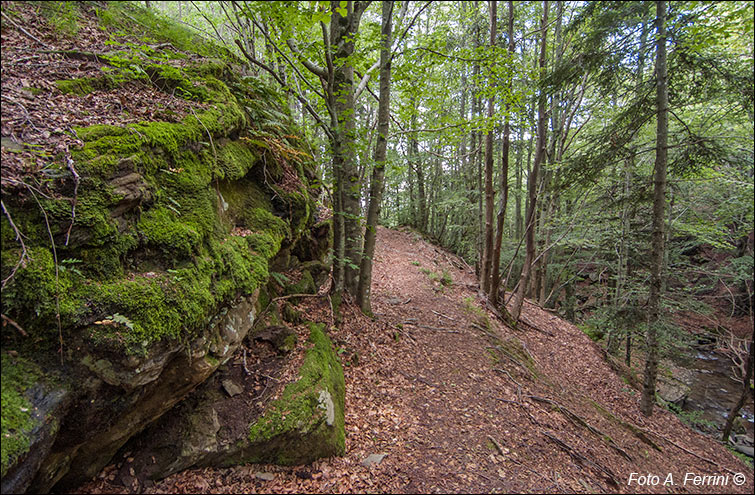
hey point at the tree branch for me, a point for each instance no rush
(299, 97)
(365, 80)
(313, 68)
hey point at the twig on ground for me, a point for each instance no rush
(435, 329)
(24, 31)
(444, 316)
(702, 458)
(406, 334)
(575, 418)
(581, 457)
(16, 325)
(497, 445)
(246, 370)
(76, 178)
(501, 370)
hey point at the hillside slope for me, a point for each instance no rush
(150, 187)
(460, 403)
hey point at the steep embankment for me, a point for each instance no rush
(149, 190)
(459, 403)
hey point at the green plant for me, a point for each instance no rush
(415, 263)
(693, 419)
(62, 16)
(480, 315)
(280, 278)
(742, 457)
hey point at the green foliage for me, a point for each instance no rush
(63, 17)
(480, 315)
(692, 418)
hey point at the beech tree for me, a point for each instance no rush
(378, 171)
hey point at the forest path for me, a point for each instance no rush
(426, 386)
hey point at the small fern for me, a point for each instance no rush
(121, 320)
(280, 278)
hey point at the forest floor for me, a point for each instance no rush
(458, 402)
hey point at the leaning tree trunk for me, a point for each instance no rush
(529, 232)
(659, 204)
(378, 171)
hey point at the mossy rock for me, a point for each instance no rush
(175, 220)
(307, 421)
(33, 405)
(306, 285)
(291, 315)
(282, 338)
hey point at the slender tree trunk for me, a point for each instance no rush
(518, 187)
(529, 232)
(420, 219)
(487, 258)
(338, 227)
(378, 171)
(506, 144)
(659, 204)
(477, 143)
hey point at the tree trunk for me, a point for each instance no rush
(518, 187)
(487, 258)
(529, 232)
(659, 204)
(378, 171)
(495, 282)
(343, 30)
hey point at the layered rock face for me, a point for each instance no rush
(158, 280)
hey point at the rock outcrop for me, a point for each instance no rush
(154, 282)
(216, 428)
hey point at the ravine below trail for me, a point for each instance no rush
(458, 402)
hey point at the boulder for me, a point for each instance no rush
(212, 429)
(91, 441)
(33, 408)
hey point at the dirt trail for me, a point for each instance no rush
(457, 407)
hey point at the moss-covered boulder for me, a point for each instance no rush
(215, 428)
(145, 247)
(307, 421)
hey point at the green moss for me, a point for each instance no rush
(30, 296)
(163, 229)
(301, 412)
(291, 315)
(306, 285)
(234, 160)
(17, 422)
(79, 87)
(168, 262)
